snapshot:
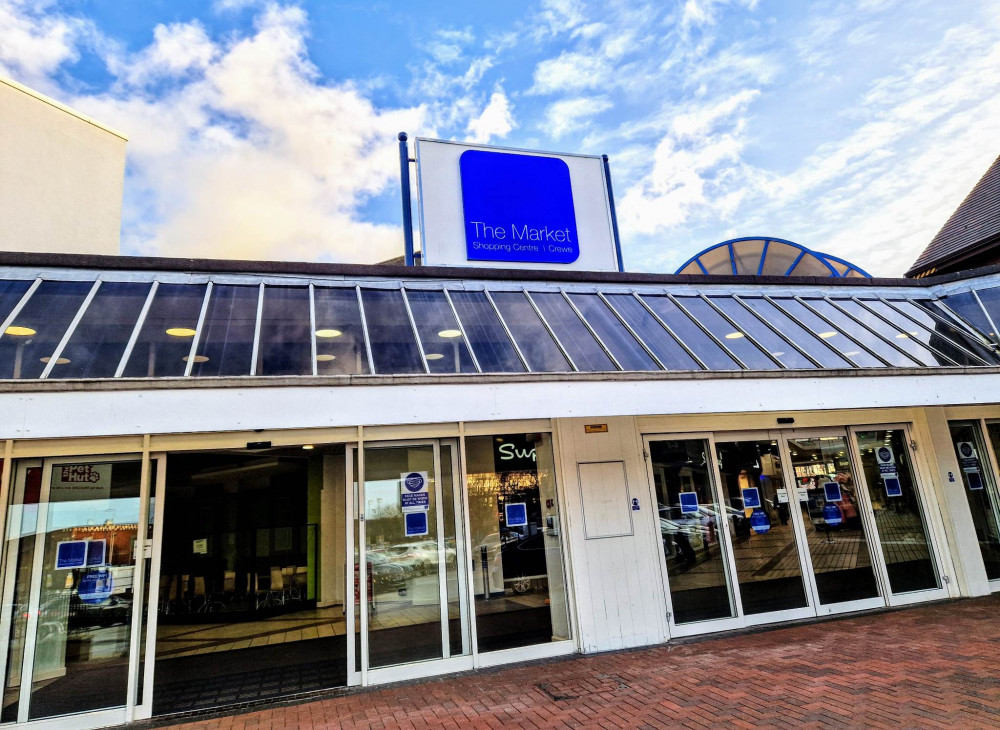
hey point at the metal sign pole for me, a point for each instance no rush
(404, 182)
(614, 215)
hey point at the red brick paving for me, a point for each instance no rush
(929, 667)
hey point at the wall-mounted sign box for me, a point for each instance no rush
(596, 428)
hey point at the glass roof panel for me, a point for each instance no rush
(780, 256)
(716, 260)
(793, 331)
(747, 255)
(991, 300)
(537, 345)
(613, 334)
(225, 344)
(959, 332)
(285, 340)
(394, 348)
(691, 268)
(585, 351)
(811, 265)
(714, 357)
(340, 338)
(830, 335)
(862, 334)
(786, 354)
(444, 346)
(657, 339)
(10, 294)
(905, 337)
(97, 344)
(942, 337)
(964, 304)
(486, 334)
(735, 340)
(165, 338)
(31, 338)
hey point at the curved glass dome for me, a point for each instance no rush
(768, 257)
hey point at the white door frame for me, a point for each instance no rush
(983, 425)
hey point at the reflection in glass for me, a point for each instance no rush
(991, 301)
(39, 326)
(165, 338)
(822, 329)
(340, 339)
(731, 337)
(10, 294)
(584, 350)
(836, 537)
(690, 531)
(394, 348)
(613, 334)
(764, 545)
(964, 304)
(225, 344)
(980, 486)
(798, 334)
(899, 518)
(657, 339)
(785, 353)
(903, 333)
(517, 566)
(714, 357)
(491, 344)
(537, 345)
(97, 344)
(861, 333)
(285, 340)
(440, 335)
(921, 310)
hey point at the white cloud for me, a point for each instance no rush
(571, 71)
(34, 44)
(569, 115)
(497, 119)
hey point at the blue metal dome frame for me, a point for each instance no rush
(825, 258)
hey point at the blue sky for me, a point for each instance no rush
(267, 129)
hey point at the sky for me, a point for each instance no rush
(267, 130)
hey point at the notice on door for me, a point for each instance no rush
(414, 495)
(78, 482)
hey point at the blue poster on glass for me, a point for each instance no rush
(689, 503)
(415, 523)
(96, 550)
(751, 498)
(95, 586)
(71, 554)
(975, 481)
(831, 492)
(892, 487)
(516, 514)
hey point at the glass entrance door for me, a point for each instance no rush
(72, 597)
(414, 607)
(975, 466)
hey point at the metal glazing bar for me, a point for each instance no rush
(732, 259)
(989, 317)
(837, 329)
(591, 330)
(964, 324)
(691, 353)
(763, 257)
(461, 328)
(256, 330)
(198, 329)
(364, 330)
(802, 324)
(552, 333)
(778, 333)
(413, 326)
(936, 318)
(889, 322)
(510, 335)
(632, 332)
(20, 305)
(893, 345)
(54, 356)
(706, 331)
(746, 334)
(312, 328)
(137, 329)
(795, 262)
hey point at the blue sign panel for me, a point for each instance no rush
(71, 554)
(832, 515)
(516, 514)
(95, 586)
(95, 553)
(689, 503)
(751, 498)
(518, 208)
(759, 521)
(831, 492)
(892, 487)
(975, 481)
(415, 523)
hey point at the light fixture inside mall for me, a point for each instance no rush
(433, 355)
(18, 331)
(450, 333)
(308, 447)
(325, 357)
(902, 336)
(777, 354)
(181, 332)
(197, 358)
(328, 333)
(734, 335)
(59, 360)
(852, 353)
(827, 335)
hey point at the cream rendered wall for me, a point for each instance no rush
(61, 177)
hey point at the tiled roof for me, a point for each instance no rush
(974, 222)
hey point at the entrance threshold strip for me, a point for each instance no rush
(302, 698)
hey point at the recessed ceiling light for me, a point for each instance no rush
(328, 333)
(734, 335)
(59, 361)
(18, 331)
(308, 447)
(325, 358)
(777, 354)
(181, 332)
(433, 355)
(852, 353)
(450, 333)
(827, 335)
(197, 358)
(902, 336)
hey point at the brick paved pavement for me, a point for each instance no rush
(928, 667)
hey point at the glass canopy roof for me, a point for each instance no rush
(767, 256)
(79, 324)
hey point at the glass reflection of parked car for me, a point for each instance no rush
(386, 573)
